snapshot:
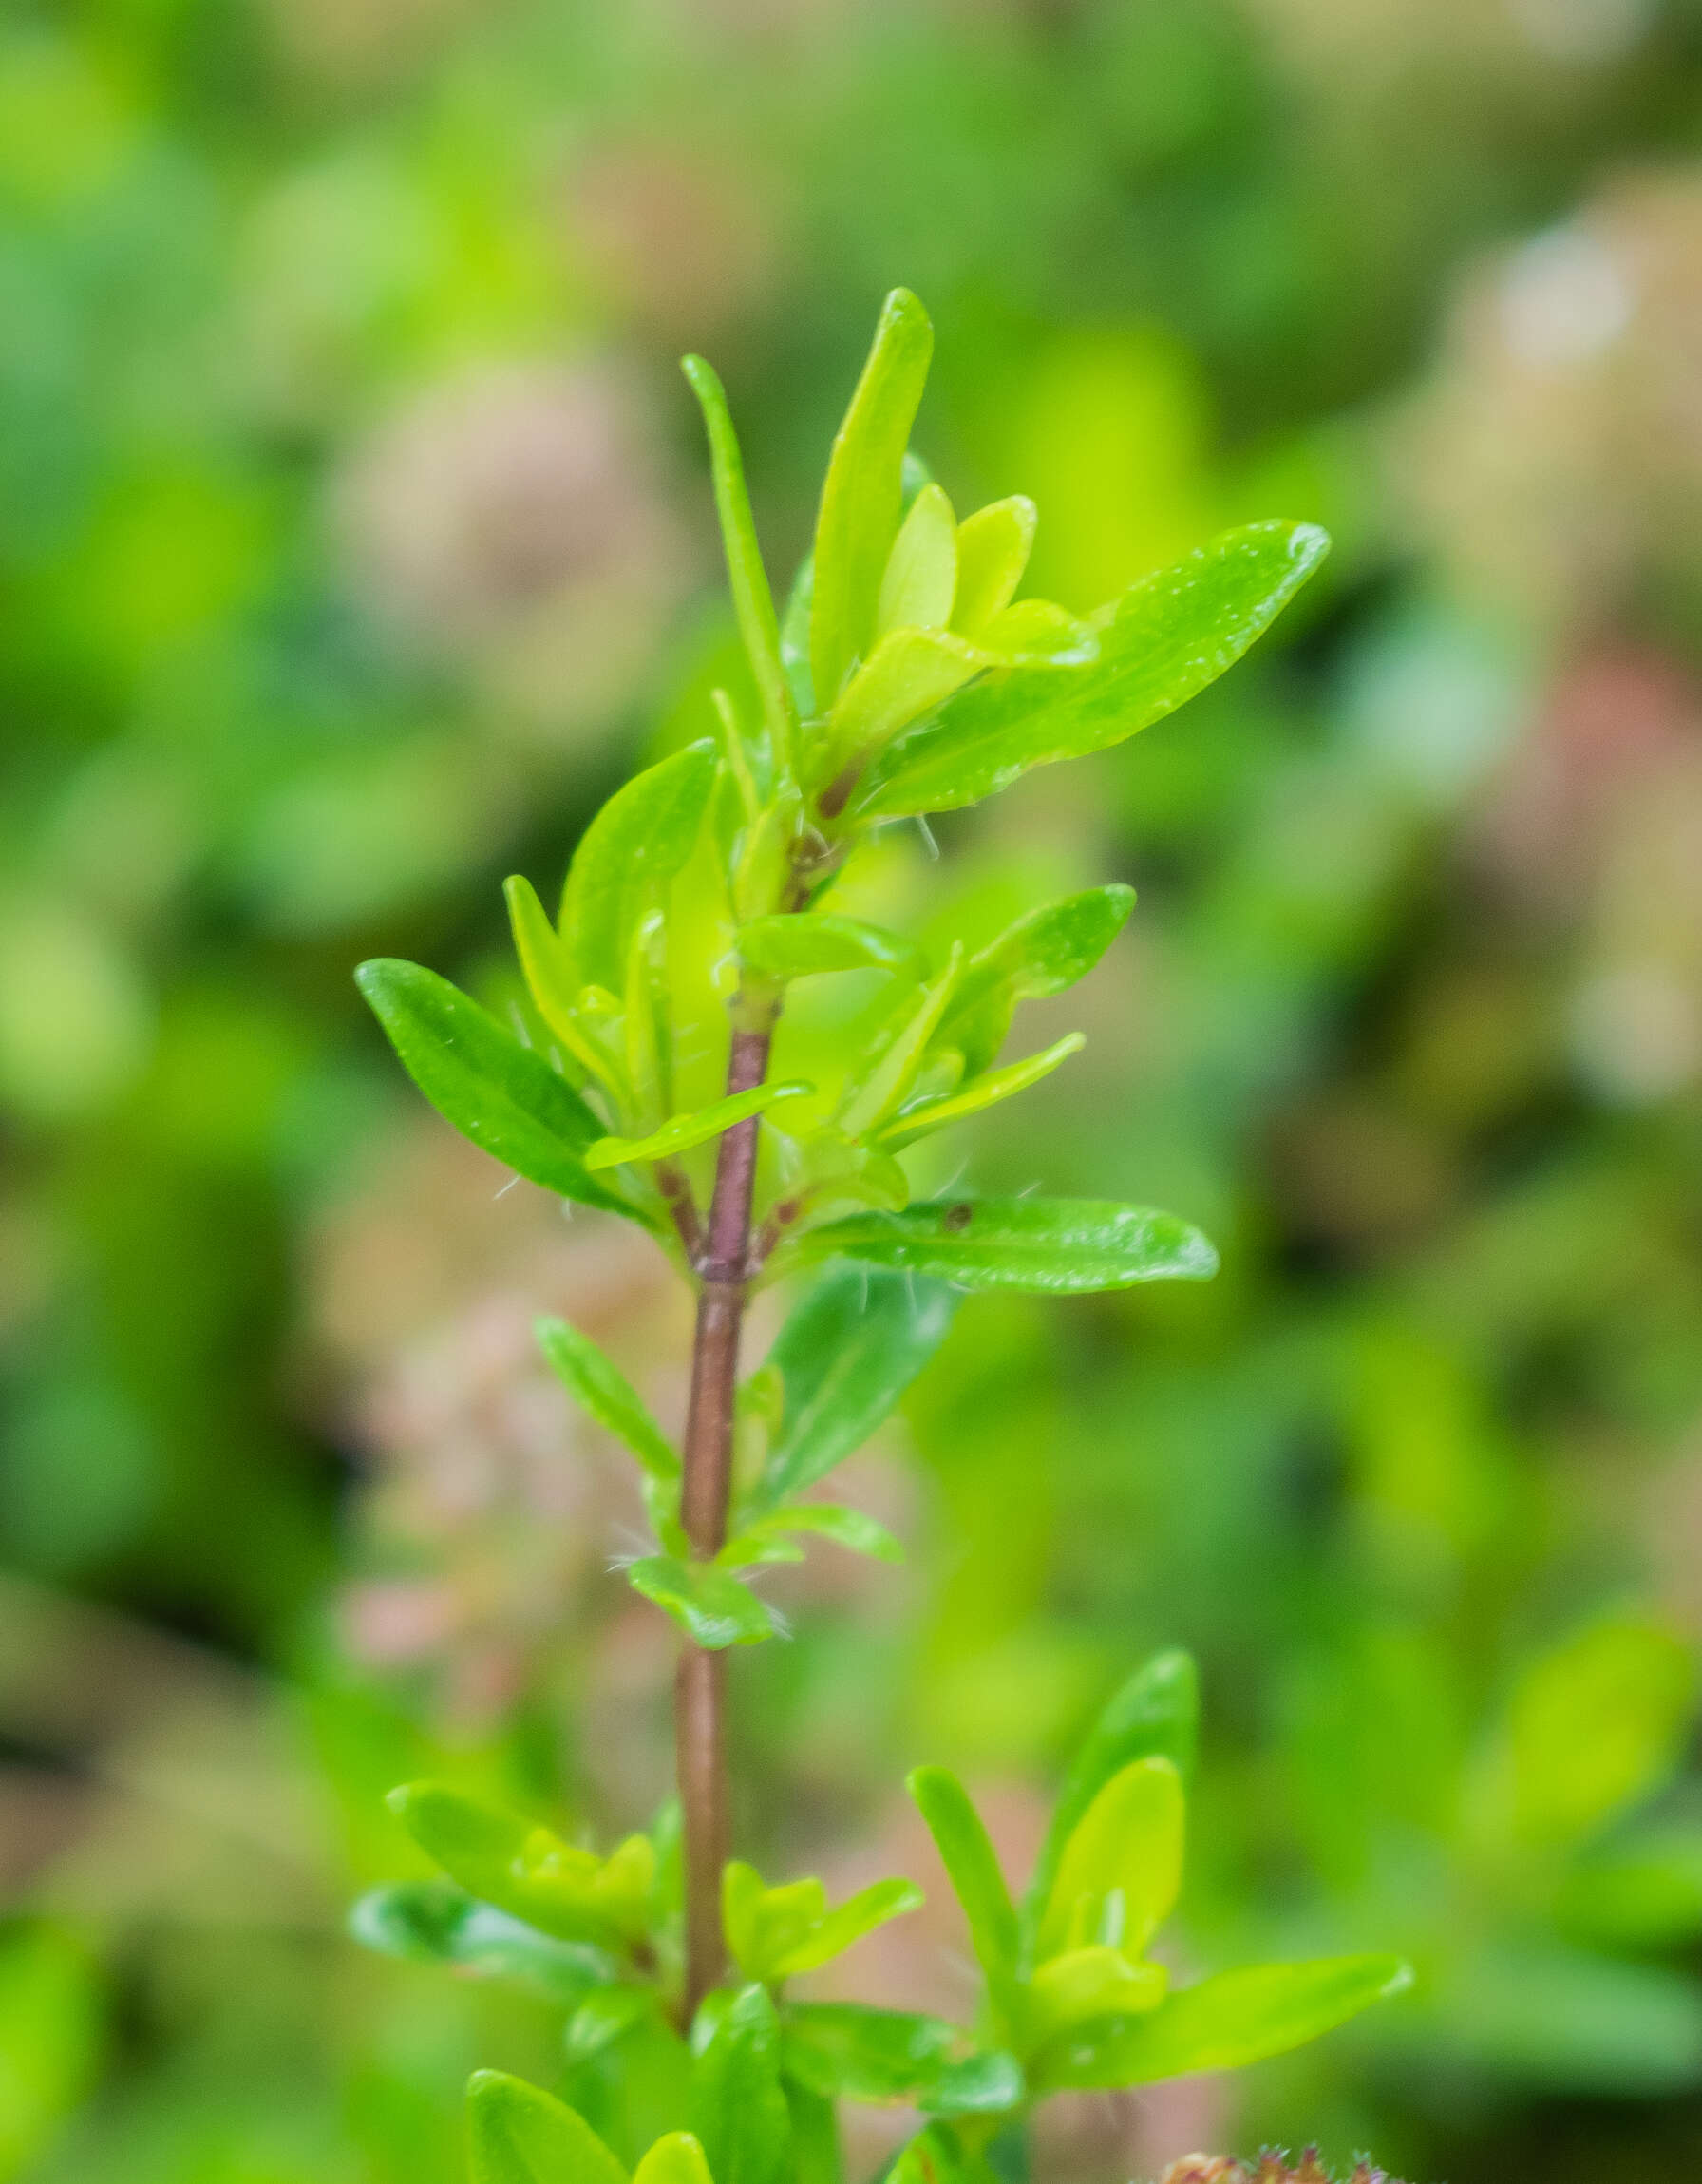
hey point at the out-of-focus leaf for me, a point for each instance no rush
(847, 1922)
(677, 2159)
(1086, 1983)
(847, 1352)
(50, 2039)
(845, 1527)
(1569, 2021)
(517, 2133)
(604, 2018)
(738, 2108)
(709, 1604)
(637, 843)
(1645, 1892)
(434, 1922)
(882, 1082)
(861, 499)
(920, 582)
(499, 1093)
(599, 1385)
(1592, 1725)
(1171, 635)
(1223, 2023)
(1122, 1864)
(973, 1866)
(985, 1091)
(1154, 1715)
(937, 2156)
(753, 602)
(684, 1131)
(1059, 1247)
(846, 2051)
(798, 947)
(993, 552)
(507, 1860)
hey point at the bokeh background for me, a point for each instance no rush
(354, 544)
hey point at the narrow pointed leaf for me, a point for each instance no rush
(685, 1131)
(1154, 1715)
(972, 1865)
(846, 1354)
(753, 602)
(1171, 635)
(801, 946)
(434, 1922)
(847, 1922)
(921, 570)
(1042, 954)
(709, 1604)
(634, 845)
(896, 1058)
(496, 1092)
(906, 676)
(517, 2133)
(738, 2107)
(599, 1385)
(846, 2051)
(1059, 1247)
(844, 1528)
(544, 966)
(862, 497)
(677, 2159)
(1129, 1843)
(1224, 2023)
(992, 551)
(984, 1091)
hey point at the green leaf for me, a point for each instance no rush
(1567, 2021)
(930, 1114)
(1223, 2023)
(1171, 635)
(973, 1866)
(845, 1527)
(738, 2108)
(786, 946)
(507, 1860)
(886, 1074)
(908, 674)
(674, 2159)
(847, 1922)
(1042, 954)
(521, 2135)
(709, 1604)
(816, 2156)
(847, 1352)
(846, 2051)
(604, 2019)
(636, 843)
(992, 551)
(434, 1922)
(1594, 1724)
(684, 1131)
(920, 582)
(499, 1093)
(1644, 1892)
(1154, 1715)
(753, 602)
(1084, 1984)
(549, 980)
(1059, 1247)
(599, 1387)
(1121, 1866)
(861, 499)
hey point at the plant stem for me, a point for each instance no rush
(700, 1689)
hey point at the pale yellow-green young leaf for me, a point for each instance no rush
(545, 967)
(1035, 629)
(921, 572)
(983, 1092)
(684, 1131)
(674, 2159)
(1121, 1866)
(642, 1033)
(871, 1099)
(1091, 1983)
(907, 675)
(992, 551)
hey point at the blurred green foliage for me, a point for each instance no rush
(349, 549)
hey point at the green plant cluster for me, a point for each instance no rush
(905, 678)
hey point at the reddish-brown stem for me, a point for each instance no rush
(700, 1689)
